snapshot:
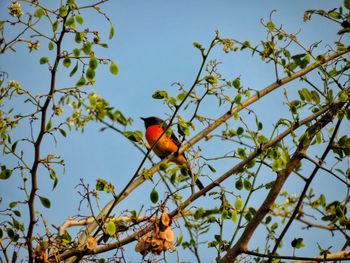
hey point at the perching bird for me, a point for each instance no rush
(166, 145)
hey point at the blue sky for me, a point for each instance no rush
(153, 49)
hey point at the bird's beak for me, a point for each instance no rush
(142, 118)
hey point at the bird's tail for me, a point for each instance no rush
(198, 182)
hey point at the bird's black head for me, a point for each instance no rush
(149, 121)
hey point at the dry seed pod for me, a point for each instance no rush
(156, 242)
(141, 246)
(169, 234)
(168, 245)
(91, 243)
(162, 235)
(165, 219)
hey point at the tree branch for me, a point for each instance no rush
(242, 244)
(196, 195)
(307, 184)
(37, 144)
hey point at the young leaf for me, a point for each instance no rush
(93, 63)
(5, 173)
(234, 216)
(39, 12)
(111, 31)
(76, 52)
(63, 132)
(50, 46)
(66, 62)
(90, 74)
(44, 60)
(74, 70)
(154, 196)
(238, 203)
(81, 82)
(113, 68)
(45, 202)
(79, 19)
(49, 125)
(111, 228)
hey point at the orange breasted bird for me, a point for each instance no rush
(166, 144)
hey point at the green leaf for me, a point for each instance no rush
(5, 173)
(270, 25)
(111, 31)
(211, 79)
(315, 97)
(236, 83)
(55, 26)
(154, 196)
(70, 22)
(159, 94)
(120, 118)
(79, 37)
(79, 19)
(224, 214)
(63, 11)
(63, 132)
(178, 240)
(241, 152)
(347, 4)
(113, 68)
(50, 46)
(262, 139)
(104, 45)
(239, 184)
(274, 226)
(44, 60)
(134, 136)
(93, 63)
(10, 233)
(343, 96)
(14, 145)
(90, 74)
(238, 98)
(45, 202)
(17, 213)
(238, 203)
(240, 131)
(81, 82)
(181, 96)
(74, 70)
(304, 139)
(39, 12)
(76, 52)
(234, 216)
(297, 243)
(66, 62)
(212, 168)
(13, 204)
(87, 47)
(247, 184)
(111, 228)
(48, 125)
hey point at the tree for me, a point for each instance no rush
(309, 144)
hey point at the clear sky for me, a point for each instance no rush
(153, 49)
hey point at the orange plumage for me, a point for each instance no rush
(166, 145)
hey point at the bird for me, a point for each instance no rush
(167, 144)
